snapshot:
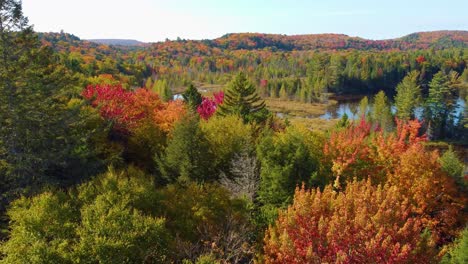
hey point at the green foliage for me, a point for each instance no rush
(161, 87)
(286, 162)
(41, 134)
(381, 113)
(101, 222)
(204, 219)
(188, 155)
(453, 166)
(440, 104)
(408, 96)
(363, 107)
(458, 254)
(242, 99)
(228, 136)
(192, 97)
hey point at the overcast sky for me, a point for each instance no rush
(156, 20)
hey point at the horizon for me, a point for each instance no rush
(209, 19)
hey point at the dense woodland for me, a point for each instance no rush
(100, 163)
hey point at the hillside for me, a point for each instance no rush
(117, 42)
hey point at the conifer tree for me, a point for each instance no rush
(242, 99)
(408, 96)
(381, 113)
(192, 97)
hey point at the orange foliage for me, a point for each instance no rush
(130, 110)
(401, 160)
(362, 224)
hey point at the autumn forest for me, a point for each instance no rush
(247, 148)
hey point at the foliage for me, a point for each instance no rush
(204, 220)
(227, 136)
(208, 106)
(364, 223)
(192, 97)
(453, 166)
(188, 155)
(408, 96)
(458, 254)
(41, 134)
(102, 221)
(242, 99)
(286, 161)
(381, 113)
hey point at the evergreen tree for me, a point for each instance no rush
(161, 87)
(408, 96)
(40, 132)
(363, 107)
(242, 99)
(440, 104)
(282, 93)
(381, 113)
(188, 155)
(192, 97)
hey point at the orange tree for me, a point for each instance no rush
(362, 224)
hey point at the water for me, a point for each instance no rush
(350, 107)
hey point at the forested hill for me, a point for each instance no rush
(251, 41)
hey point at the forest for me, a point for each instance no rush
(176, 152)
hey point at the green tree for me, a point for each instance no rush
(188, 155)
(161, 87)
(408, 96)
(363, 107)
(242, 99)
(286, 162)
(107, 220)
(192, 97)
(458, 254)
(381, 113)
(40, 135)
(282, 93)
(453, 166)
(440, 104)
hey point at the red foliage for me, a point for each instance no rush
(362, 224)
(420, 59)
(129, 110)
(208, 106)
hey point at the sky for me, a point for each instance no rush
(156, 20)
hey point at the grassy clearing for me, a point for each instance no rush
(314, 123)
(296, 109)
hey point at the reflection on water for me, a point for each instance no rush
(350, 107)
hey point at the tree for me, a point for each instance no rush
(107, 220)
(458, 253)
(188, 155)
(242, 99)
(364, 108)
(40, 135)
(408, 96)
(381, 113)
(286, 162)
(192, 97)
(161, 87)
(362, 224)
(440, 104)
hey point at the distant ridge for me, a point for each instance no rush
(442, 39)
(117, 42)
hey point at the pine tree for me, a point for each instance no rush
(440, 104)
(40, 135)
(188, 155)
(381, 113)
(408, 96)
(363, 107)
(282, 93)
(242, 99)
(192, 97)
